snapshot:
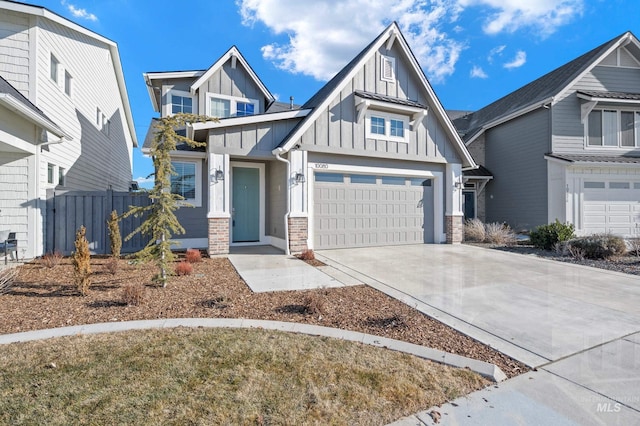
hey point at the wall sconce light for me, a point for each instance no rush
(299, 178)
(457, 185)
(217, 176)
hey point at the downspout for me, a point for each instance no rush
(277, 152)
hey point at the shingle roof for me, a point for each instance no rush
(6, 87)
(390, 99)
(593, 158)
(535, 92)
(481, 171)
(611, 95)
(281, 107)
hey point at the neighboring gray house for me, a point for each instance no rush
(371, 159)
(65, 120)
(566, 146)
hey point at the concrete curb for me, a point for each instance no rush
(485, 369)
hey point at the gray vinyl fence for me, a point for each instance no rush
(68, 210)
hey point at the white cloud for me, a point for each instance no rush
(478, 72)
(544, 16)
(496, 51)
(145, 182)
(79, 12)
(325, 34)
(519, 60)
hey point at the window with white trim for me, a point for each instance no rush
(51, 171)
(187, 181)
(68, 83)
(392, 127)
(222, 106)
(387, 68)
(61, 175)
(180, 103)
(612, 128)
(54, 64)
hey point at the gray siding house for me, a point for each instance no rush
(65, 120)
(371, 159)
(566, 146)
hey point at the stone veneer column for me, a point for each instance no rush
(218, 235)
(297, 234)
(454, 229)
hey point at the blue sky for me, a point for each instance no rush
(472, 51)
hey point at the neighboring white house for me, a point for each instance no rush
(371, 159)
(65, 119)
(566, 146)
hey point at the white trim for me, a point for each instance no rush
(183, 94)
(20, 108)
(438, 181)
(387, 117)
(449, 129)
(187, 243)
(172, 74)
(233, 104)
(235, 53)
(251, 119)
(384, 59)
(262, 203)
(276, 242)
(197, 201)
(618, 147)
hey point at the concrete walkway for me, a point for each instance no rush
(265, 268)
(578, 325)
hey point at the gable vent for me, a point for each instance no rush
(388, 69)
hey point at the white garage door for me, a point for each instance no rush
(612, 207)
(368, 210)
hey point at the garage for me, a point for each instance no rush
(363, 210)
(611, 206)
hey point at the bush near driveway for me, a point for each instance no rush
(598, 246)
(547, 236)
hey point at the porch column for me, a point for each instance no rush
(298, 223)
(454, 215)
(219, 204)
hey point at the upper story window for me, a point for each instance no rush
(68, 82)
(181, 103)
(387, 126)
(611, 128)
(186, 181)
(53, 68)
(222, 106)
(387, 68)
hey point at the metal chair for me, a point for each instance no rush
(9, 245)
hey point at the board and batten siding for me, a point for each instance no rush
(255, 140)
(336, 129)
(515, 153)
(93, 160)
(15, 45)
(568, 129)
(230, 81)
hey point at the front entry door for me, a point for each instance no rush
(469, 204)
(246, 205)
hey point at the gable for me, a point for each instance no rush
(620, 57)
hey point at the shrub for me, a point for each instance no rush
(307, 255)
(474, 230)
(82, 262)
(634, 246)
(598, 246)
(52, 259)
(115, 239)
(112, 265)
(184, 268)
(314, 303)
(498, 233)
(547, 236)
(193, 256)
(7, 277)
(133, 294)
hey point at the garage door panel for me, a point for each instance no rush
(612, 207)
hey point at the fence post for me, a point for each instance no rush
(50, 222)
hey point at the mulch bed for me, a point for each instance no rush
(45, 297)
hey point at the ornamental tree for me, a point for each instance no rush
(161, 222)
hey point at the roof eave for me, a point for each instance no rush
(17, 106)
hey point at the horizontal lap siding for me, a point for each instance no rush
(515, 155)
(92, 159)
(567, 126)
(194, 219)
(14, 195)
(14, 50)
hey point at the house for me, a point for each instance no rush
(65, 120)
(566, 146)
(371, 159)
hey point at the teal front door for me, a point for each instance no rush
(245, 205)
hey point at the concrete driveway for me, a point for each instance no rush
(579, 325)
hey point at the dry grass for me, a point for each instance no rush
(52, 259)
(497, 233)
(474, 230)
(7, 277)
(193, 256)
(133, 294)
(186, 376)
(183, 268)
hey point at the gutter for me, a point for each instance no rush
(32, 116)
(277, 152)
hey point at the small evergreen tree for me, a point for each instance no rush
(115, 239)
(161, 222)
(82, 262)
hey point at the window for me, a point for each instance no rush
(186, 181)
(182, 104)
(54, 64)
(594, 185)
(222, 106)
(387, 126)
(367, 179)
(61, 175)
(619, 185)
(420, 182)
(98, 118)
(613, 129)
(329, 177)
(387, 68)
(67, 83)
(50, 173)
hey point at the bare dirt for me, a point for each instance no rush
(45, 297)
